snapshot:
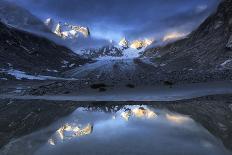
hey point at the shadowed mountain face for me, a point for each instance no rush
(16, 16)
(27, 52)
(208, 47)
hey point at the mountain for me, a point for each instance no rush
(105, 51)
(67, 31)
(16, 16)
(13, 15)
(124, 43)
(22, 51)
(207, 49)
(124, 49)
(135, 44)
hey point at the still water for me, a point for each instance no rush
(124, 130)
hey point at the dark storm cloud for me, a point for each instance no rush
(132, 18)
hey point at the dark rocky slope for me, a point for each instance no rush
(16, 16)
(27, 52)
(207, 49)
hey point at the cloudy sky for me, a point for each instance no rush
(113, 19)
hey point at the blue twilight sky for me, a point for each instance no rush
(113, 19)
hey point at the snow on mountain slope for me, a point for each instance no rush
(123, 50)
(111, 52)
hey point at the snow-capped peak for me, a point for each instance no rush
(67, 31)
(124, 43)
(49, 23)
(138, 44)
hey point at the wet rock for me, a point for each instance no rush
(67, 92)
(59, 84)
(97, 86)
(218, 24)
(130, 86)
(230, 21)
(168, 83)
(230, 106)
(102, 89)
(229, 44)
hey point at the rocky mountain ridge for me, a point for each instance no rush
(21, 51)
(67, 31)
(207, 48)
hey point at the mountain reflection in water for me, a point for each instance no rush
(120, 130)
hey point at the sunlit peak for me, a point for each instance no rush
(138, 44)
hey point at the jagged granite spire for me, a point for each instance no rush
(124, 43)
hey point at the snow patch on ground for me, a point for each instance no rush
(226, 62)
(22, 75)
(49, 70)
(19, 75)
(3, 79)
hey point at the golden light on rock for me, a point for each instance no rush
(139, 113)
(126, 115)
(177, 118)
(68, 131)
(148, 42)
(51, 142)
(173, 36)
(138, 44)
(84, 131)
(124, 43)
